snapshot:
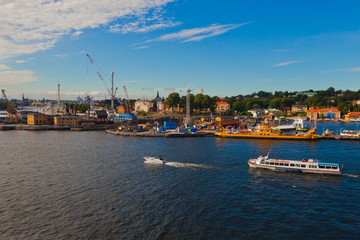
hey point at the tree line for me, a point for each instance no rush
(330, 97)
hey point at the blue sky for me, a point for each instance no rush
(225, 47)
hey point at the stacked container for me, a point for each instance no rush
(170, 125)
(125, 116)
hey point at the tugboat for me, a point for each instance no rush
(304, 165)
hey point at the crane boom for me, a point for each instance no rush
(127, 97)
(100, 76)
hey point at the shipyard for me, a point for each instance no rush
(169, 117)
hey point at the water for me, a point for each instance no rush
(91, 185)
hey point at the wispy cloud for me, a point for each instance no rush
(24, 60)
(285, 63)
(15, 77)
(61, 55)
(141, 47)
(198, 34)
(31, 26)
(79, 94)
(355, 69)
(280, 50)
(4, 67)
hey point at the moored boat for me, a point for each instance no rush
(349, 133)
(304, 165)
(266, 132)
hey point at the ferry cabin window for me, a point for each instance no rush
(271, 163)
(276, 163)
(286, 164)
(262, 162)
(298, 165)
(328, 167)
(292, 165)
(334, 167)
(281, 164)
(321, 166)
(303, 165)
(267, 163)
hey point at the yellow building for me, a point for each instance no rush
(37, 119)
(67, 120)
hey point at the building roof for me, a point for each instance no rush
(323, 110)
(352, 114)
(222, 103)
(101, 113)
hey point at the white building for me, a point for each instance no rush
(143, 105)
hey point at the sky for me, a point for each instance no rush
(226, 48)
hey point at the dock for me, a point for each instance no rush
(153, 133)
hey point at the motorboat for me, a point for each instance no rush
(304, 165)
(154, 160)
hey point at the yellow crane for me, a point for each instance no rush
(128, 100)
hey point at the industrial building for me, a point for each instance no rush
(67, 120)
(37, 119)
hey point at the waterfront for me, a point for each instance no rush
(91, 185)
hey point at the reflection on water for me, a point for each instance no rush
(91, 185)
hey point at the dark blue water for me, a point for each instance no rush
(91, 185)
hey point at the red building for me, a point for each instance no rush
(100, 117)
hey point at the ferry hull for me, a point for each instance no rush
(288, 169)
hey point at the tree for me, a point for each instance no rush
(173, 100)
(198, 101)
(207, 102)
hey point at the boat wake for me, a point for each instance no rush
(158, 162)
(352, 175)
(186, 165)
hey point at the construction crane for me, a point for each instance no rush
(10, 108)
(128, 100)
(112, 93)
(188, 90)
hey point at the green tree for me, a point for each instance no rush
(173, 100)
(198, 101)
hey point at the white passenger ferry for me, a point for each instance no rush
(304, 165)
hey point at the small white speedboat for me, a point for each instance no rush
(154, 160)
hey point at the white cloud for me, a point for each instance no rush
(198, 34)
(285, 63)
(20, 61)
(10, 77)
(76, 34)
(61, 55)
(4, 67)
(141, 47)
(355, 69)
(78, 94)
(31, 26)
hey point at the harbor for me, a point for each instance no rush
(179, 120)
